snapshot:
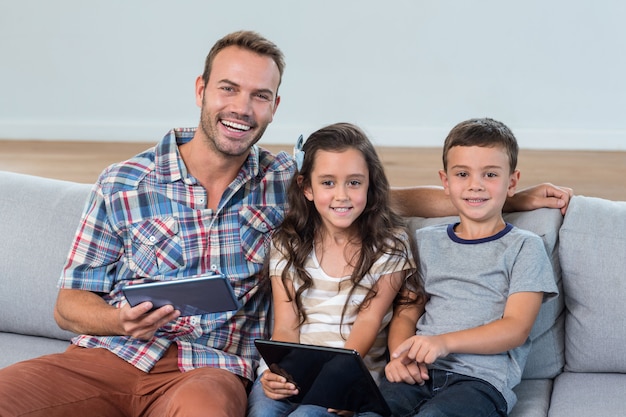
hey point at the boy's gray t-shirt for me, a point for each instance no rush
(469, 282)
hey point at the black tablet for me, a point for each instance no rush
(199, 294)
(325, 376)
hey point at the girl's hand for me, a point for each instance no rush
(277, 387)
(403, 369)
(422, 349)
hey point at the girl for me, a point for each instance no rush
(337, 262)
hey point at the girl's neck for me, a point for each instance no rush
(337, 239)
(337, 252)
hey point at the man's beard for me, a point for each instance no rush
(211, 134)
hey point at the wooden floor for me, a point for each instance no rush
(591, 173)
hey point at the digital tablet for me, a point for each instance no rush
(199, 294)
(325, 376)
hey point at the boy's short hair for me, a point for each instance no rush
(484, 132)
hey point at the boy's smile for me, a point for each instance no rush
(478, 182)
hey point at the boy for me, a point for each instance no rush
(484, 280)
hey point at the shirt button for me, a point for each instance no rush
(213, 267)
(152, 239)
(263, 226)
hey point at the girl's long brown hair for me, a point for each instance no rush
(379, 227)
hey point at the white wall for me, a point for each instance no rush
(406, 71)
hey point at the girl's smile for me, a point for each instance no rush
(339, 184)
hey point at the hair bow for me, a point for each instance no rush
(298, 153)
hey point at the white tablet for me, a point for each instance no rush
(199, 294)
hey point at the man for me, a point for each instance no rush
(201, 199)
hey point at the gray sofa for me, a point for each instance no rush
(578, 362)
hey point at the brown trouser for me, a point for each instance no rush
(95, 382)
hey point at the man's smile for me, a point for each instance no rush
(234, 126)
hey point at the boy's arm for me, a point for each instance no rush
(504, 334)
(431, 201)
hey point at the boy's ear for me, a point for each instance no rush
(444, 181)
(513, 181)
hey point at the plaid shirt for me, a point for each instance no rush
(146, 218)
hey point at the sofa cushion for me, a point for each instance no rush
(39, 219)
(546, 356)
(533, 398)
(588, 394)
(595, 323)
(19, 347)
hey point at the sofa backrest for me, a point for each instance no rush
(38, 220)
(546, 357)
(593, 258)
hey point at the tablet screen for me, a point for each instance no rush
(325, 376)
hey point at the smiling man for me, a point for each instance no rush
(238, 95)
(203, 199)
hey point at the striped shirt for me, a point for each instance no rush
(147, 219)
(324, 301)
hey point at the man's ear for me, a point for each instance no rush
(276, 103)
(444, 181)
(200, 87)
(513, 181)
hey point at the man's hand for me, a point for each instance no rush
(85, 312)
(141, 323)
(538, 196)
(403, 369)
